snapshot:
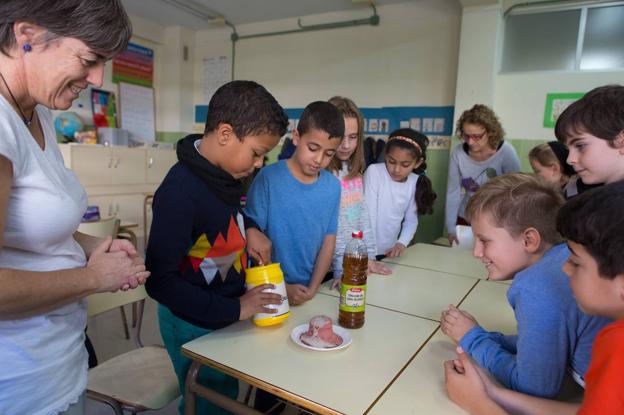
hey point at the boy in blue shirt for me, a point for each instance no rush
(514, 222)
(196, 249)
(296, 202)
(595, 269)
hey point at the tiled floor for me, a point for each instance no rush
(107, 335)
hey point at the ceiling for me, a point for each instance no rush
(195, 14)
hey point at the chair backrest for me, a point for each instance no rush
(100, 228)
(102, 302)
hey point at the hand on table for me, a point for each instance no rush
(335, 285)
(465, 384)
(396, 251)
(377, 267)
(298, 294)
(256, 301)
(455, 323)
(115, 270)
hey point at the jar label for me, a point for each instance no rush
(281, 308)
(352, 297)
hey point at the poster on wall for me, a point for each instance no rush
(104, 108)
(137, 112)
(216, 73)
(556, 103)
(135, 66)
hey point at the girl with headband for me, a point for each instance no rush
(397, 191)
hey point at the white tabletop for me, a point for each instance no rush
(416, 291)
(420, 388)
(346, 381)
(455, 261)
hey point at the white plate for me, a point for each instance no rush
(302, 328)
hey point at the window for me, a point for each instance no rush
(582, 38)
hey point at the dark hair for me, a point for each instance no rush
(425, 195)
(102, 25)
(593, 219)
(248, 107)
(348, 109)
(518, 201)
(321, 115)
(484, 116)
(600, 113)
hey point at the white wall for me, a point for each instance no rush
(517, 98)
(477, 67)
(409, 59)
(520, 98)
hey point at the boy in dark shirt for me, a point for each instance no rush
(196, 250)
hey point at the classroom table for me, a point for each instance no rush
(455, 261)
(416, 291)
(332, 382)
(420, 387)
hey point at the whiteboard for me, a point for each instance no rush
(137, 110)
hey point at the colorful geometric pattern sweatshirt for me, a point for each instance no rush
(196, 251)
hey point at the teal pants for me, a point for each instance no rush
(175, 332)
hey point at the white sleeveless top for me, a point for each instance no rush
(42, 359)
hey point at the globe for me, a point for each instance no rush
(67, 124)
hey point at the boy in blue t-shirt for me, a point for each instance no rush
(296, 202)
(514, 222)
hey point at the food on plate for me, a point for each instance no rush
(321, 333)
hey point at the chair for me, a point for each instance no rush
(102, 229)
(139, 380)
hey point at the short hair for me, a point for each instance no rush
(348, 109)
(519, 201)
(102, 25)
(600, 113)
(482, 115)
(248, 107)
(321, 115)
(594, 219)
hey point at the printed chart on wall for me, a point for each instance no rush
(216, 73)
(556, 103)
(137, 112)
(135, 65)
(435, 122)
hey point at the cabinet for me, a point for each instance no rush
(159, 161)
(118, 179)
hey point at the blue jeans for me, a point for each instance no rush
(175, 332)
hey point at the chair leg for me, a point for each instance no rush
(248, 394)
(125, 322)
(134, 314)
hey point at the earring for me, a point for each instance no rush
(27, 48)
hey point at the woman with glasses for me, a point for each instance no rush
(481, 155)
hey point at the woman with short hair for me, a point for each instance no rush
(49, 52)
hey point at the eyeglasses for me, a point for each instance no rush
(474, 137)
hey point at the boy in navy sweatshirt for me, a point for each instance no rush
(196, 250)
(514, 222)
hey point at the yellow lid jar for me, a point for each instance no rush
(269, 274)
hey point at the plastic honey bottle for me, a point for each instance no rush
(353, 283)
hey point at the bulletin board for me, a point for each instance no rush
(137, 112)
(556, 103)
